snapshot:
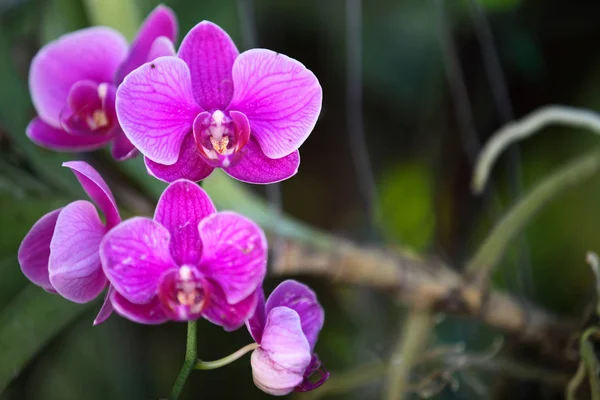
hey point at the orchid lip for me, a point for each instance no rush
(90, 109)
(314, 376)
(183, 293)
(220, 138)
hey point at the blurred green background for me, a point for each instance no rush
(548, 54)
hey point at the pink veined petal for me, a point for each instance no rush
(34, 252)
(135, 254)
(75, 270)
(209, 52)
(279, 363)
(161, 47)
(234, 254)
(107, 308)
(229, 316)
(255, 167)
(87, 54)
(190, 165)
(52, 138)
(150, 313)
(97, 189)
(156, 108)
(303, 300)
(256, 322)
(122, 149)
(180, 209)
(161, 22)
(280, 96)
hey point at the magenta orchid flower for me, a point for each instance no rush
(73, 81)
(210, 106)
(61, 251)
(287, 328)
(188, 262)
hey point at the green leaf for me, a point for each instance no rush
(27, 324)
(492, 249)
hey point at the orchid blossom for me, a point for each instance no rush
(210, 106)
(188, 262)
(60, 253)
(73, 82)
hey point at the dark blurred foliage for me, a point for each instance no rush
(548, 53)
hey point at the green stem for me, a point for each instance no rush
(225, 360)
(188, 364)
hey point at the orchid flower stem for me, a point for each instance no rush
(188, 364)
(204, 365)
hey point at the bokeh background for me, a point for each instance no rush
(414, 191)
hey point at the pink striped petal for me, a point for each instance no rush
(150, 313)
(180, 209)
(88, 54)
(156, 108)
(279, 363)
(229, 316)
(34, 252)
(135, 254)
(161, 22)
(190, 165)
(303, 300)
(280, 96)
(107, 308)
(234, 254)
(122, 149)
(256, 322)
(97, 189)
(52, 138)
(75, 270)
(161, 47)
(255, 167)
(209, 52)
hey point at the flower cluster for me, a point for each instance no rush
(206, 106)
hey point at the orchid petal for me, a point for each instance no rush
(303, 300)
(150, 313)
(255, 167)
(34, 252)
(52, 138)
(122, 149)
(209, 52)
(156, 108)
(161, 22)
(229, 316)
(280, 96)
(97, 189)
(88, 54)
(162, 47)
(256, 322)
(74, 267)
(135, 254)
(190, 165)
(234, 254)
(279, 363)
(107, 308)
(180, 209)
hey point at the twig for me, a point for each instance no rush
(526, 127)
(411, 344)
(423, 283)
(358, 145)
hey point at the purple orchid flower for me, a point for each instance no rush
(287, 328)
(61, 251)
(210, 106)
(188, 262)
(73, 81)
